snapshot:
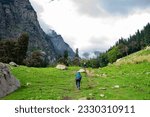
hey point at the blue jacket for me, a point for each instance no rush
(78, 76)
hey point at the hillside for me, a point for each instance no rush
(17, 17)
(121, 80)
(135, 58)
(126, 46)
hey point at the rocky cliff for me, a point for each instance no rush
(59, 44)
(18, 16)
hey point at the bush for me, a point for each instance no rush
(36, 59)
(94, 63)
(14, 50)
(75, 61)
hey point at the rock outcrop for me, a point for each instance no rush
(8, 83)
(59, 44)
(17, 17)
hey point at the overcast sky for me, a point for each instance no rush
(92, 24)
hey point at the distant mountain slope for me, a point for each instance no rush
(59, 44)
(137, 57)
(18, 16)
(125, 47)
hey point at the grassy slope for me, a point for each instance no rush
(133, 79)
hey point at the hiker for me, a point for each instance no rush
(78, 79)
(84, 65)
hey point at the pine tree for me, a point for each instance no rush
(66, 57)
(22, 47)
(77, 53)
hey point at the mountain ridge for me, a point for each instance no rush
(19, 16)
(59, 44)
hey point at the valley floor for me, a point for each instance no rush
(114, 82)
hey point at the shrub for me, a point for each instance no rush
(14, 50)
(36, 59)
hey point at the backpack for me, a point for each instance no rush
(78, 76)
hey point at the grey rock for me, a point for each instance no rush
(8, 83)
(82, 71)
(61, 67)
(13, 64)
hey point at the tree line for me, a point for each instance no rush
(122, 48)
(14, 49)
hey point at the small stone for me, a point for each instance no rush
(116, 86)
(103, 88)
(103, 75)
(28, 84)
(90, 94)
(102, 95)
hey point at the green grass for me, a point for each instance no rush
(137, 57)
(52, 84)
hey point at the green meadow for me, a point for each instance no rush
(127, 79)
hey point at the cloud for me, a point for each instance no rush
(70, 41)
(89, 7)
(124, 6)
(95, 44)
(99, 43)
(97, 8)
(92, 24)
(39, 10)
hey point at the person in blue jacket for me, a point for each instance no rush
(78, 79)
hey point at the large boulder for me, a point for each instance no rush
(8, 83)
(61, 67)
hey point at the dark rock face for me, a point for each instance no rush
(59, 44)
(6, 1)
(18, 16)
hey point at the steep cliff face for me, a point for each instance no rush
(18, 16)
(59, 44)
